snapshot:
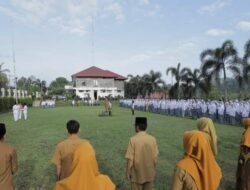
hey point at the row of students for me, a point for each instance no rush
(231, 112)
(77, 168)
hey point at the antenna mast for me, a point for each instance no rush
(93, 41)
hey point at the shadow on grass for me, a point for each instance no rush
(25, 175)
(27, 180)
(49, 177)
(228, 185)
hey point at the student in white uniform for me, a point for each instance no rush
(20, 111)
(221, 110)
(15, 110)
(25, 111)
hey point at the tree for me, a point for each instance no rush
(58, 86)
(23, 83)
(194, 82)
(3, 76)
(176, 72)
(241, 70)
(152, 82)
(41, 84)
(213, 61)
(134, 87)
(190, 82)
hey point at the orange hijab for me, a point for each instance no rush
(246, 136)
(85, 174)
(206, 125)
(199, 161)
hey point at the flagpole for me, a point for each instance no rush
(14, 67)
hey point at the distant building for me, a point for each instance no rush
(94, 83)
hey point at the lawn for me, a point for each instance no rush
(36, 138)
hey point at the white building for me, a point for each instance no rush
(95, 83)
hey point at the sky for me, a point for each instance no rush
(54, 38)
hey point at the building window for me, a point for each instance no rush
(95, 82)
(119, 91)
(83, 83)
(80, 91)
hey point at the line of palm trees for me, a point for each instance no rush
(31, 84)
(215, 67)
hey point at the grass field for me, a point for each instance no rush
(36, 138)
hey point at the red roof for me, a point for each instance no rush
(99, 73)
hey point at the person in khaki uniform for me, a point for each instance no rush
(198, 169)
(243, 166)
(8, 162)
(63, 155)
(142, 153)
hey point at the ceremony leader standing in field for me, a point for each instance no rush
(142, 153)
(8, 162)
(243, 168)
(76, 164)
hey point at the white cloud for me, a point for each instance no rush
(75, 16)
(215, 6)
(34, 7)
(153, 11)
(143, 8)
(244, 25)
(183, 48)
(116, 9)
(9, 13)
(144, 2)
(72, 16)
(218, 32)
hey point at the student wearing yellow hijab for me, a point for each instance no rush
(243, 168)
(76, 164)
(198, 169)
(206, 125)
(85, 174)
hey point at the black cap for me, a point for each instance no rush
(140, 121)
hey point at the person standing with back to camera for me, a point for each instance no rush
(133, 107)
(8, 162)
(243, 167)
(142, 153)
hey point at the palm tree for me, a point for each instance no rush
(247, 52)
(41, 84)
(175, 89)
(215, 60)
(241, 70)
(153, 81)
(3, 70)
(3, 76)
(194, 82)
(134, 86)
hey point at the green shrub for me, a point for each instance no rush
(61, 103)
(6, 103)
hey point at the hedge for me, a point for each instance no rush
(7, 103)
